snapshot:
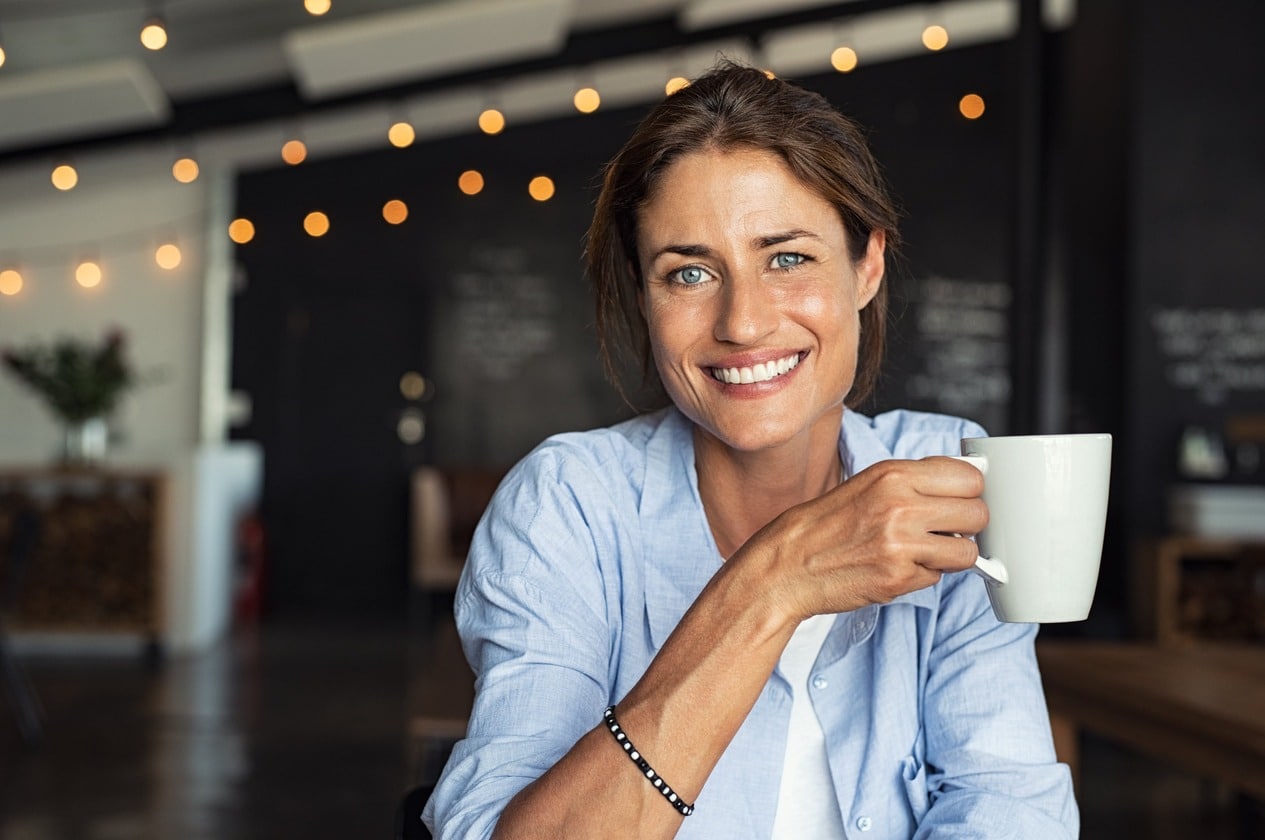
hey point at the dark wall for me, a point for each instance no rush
(1197, 203)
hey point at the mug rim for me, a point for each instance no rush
(1080, 435)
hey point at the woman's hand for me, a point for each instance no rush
(889, 530)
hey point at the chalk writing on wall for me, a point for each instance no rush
(1212, 352)
(961, 366)
(503, 315)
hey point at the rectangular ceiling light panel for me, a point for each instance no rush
(433, 40)
(67, 103)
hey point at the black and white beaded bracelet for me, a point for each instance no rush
(655, 779)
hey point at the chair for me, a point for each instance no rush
(446, 503)
(23, 540)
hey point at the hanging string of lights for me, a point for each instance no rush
(845, 57)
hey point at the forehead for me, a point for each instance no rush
(736, 188)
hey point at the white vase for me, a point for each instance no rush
(85, 442)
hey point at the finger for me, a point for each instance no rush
(944, 476)
(956, 516)
(950, 553)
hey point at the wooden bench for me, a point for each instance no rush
(1201, 708)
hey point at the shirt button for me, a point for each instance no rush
(820, 682)
(865, 823)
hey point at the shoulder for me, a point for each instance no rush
(917, 434)
(598, 456)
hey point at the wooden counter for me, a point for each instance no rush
(1199, 707)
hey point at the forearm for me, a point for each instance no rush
(681, 716)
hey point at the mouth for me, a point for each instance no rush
(761, 372)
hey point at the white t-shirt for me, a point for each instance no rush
(806, 803)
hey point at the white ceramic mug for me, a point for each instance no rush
(1047, 506)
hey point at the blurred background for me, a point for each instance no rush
(286, 286)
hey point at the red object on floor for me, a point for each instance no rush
(251, 566)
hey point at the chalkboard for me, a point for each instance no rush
(951, 353)
(1212, 354)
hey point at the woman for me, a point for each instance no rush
(764, 585)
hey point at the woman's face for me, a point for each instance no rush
(751, 298)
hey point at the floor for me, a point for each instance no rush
(304, 732)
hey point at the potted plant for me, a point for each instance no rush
(81, 382)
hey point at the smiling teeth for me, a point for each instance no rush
(762, 372)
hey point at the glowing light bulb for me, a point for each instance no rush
(491, 121)
(587, 100)
(395, 211)
(316, 8)
(154, 34)
(935, 37)
(241, 231)
(65, 177)
(316, 223)
(88, 274)
(294, 152)
(971, 106)
(471, 182)
(541, 188)
(674, 84)
(168, 256)
(844, 59)
(185, 170)
(401, 135)
(10, 282)
(1, 56)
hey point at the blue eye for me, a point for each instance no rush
(691, 275)
(788, 260)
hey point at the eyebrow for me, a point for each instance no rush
(762, 242)
(759, 244)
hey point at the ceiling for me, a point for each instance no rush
(76, 74)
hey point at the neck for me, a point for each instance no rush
(744, 491)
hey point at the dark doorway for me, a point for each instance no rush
(332, 338)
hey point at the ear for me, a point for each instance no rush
(870, 269)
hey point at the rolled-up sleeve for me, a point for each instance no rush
(531, 613)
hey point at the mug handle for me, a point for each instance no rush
(988, 568)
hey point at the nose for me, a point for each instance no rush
(747, 312)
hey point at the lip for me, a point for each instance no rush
(753, 373)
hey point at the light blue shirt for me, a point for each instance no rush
(590, 553)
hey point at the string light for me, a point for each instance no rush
(491, 121)
(294, 152)
(241, 230)
(674, 84)
(1, 55)
(64, 177)
(168, 256)
(935, 37)
(185, 170)
(10, 282)
(316, 223)
(541, 188)
(971, 106)
(844, 59)
(401, 134)
(154, 34)
(471, 182)
(395, 211)
(587, 100)
(316, 8)
(88, 274)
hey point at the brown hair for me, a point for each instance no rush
(734, 106)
